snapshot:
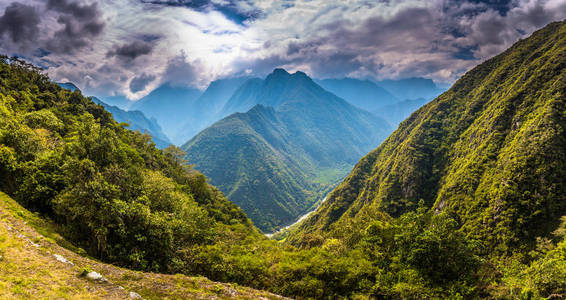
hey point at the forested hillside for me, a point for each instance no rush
(490, 152)
(113, 193)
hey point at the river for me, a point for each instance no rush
(269, 235)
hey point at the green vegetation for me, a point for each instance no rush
(489, 152)
(113, 193)
(32, 271)
(465, 200)
(290, 143)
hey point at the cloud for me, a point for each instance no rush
(181, 72)
(130, 47)
(131, 51)
(81, 23)
(59, 26)
(20, 23)
(238, 11)
(139, 83)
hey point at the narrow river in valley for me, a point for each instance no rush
(269, 235)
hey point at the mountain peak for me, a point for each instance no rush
(280, 72)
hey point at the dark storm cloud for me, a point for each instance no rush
(81, 23)
(131, 51)
(20, 24)
(439, 39)
(140, 82)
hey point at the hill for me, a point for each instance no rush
(278, 158)
(111, 191)
(489, 155)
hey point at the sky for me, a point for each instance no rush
(130, 47)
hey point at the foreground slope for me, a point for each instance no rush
(491, 150)
(277, 158)
(34, 265)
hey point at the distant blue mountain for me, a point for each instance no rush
(398, 112)
(171, 106)
(207, 108)
(119, 101)
(68, 86)
(361, 93)
(411, 88)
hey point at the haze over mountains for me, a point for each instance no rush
(285, 138)
(182, 112)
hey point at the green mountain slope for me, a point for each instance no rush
(111, 191)
(490, 151)
(278, 158)
(136, 119)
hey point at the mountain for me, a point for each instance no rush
(397, 112)
(361, 93)
(244, 98)
(137, 121)
(292, 141)
(118, 101)
(411, 88)
(171, 106)
(490, 152)
(206, 109)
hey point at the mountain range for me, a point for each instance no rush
(287, 143)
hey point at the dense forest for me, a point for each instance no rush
(464, 200)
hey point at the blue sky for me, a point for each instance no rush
(129, 47)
